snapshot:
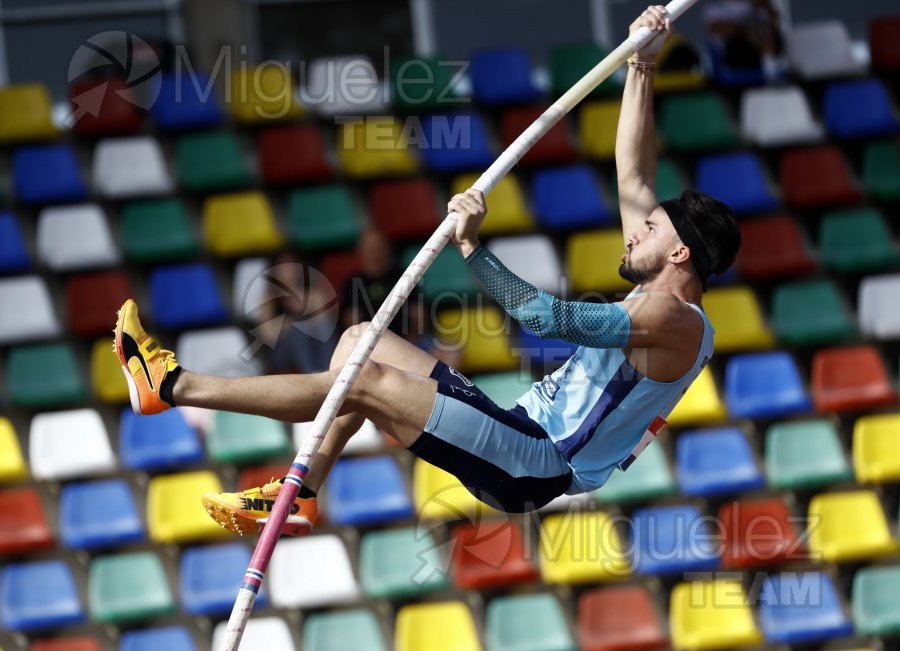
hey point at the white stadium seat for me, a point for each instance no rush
(346, 85)
(324, 564)
(879, 309)
(69, 444)
(130, 167)
(26, 311)
(217, 351)
(532, 257)
(367, 439)
(822, 49)
(772, 117)
(70, 238)
(268, 633)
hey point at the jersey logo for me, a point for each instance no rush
(548, 388)
(462, 377)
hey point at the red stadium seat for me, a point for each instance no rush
(339, 267)
(404, 210)
(817, 177)
(773, 247)
(884, 43)
(293, 154)
(850, 378)
(555, 147)
(259, 476)
(92, 300)
(619, 619)
(23, 525)
(102, 107)
(758, 533)
(84, 643)
(490, 555)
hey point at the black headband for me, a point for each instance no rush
(690, 237)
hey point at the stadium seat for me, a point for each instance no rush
(344, 629)
(249, 287)
(367, 491)
(667, 540)
(217, 351)
(98, 514)
(25, 114)
(570, 198)
(323, 563)
(850, 379)
(157, 442)
(876, 448)
(554, 148)
(716, 462)
(158, 230)
(185, 101)
(186, 296)
(773, 247)
(367, 439)
(859, 108)
(810, 312)
(569, 62)
(597, 122)
(129, 587)
(701, 405)
(759, 533)
(422, 84)
(14, 256)
(711, 614)
(32, 387)
(448, 277)
(816, 178)
(260, 633)
(774, 117)
(400, 564)
(737, 179)
(322, 217)
(502, 76)
(531, 257)
(789, 464)
(879, 313)
(581, 547)
(116, 113)
(210, 161)
(526, 623)
(209, 577)
(876, 610)
(441, 626)
(293, 154)
(374, 147)
(130, 167)
(737, 319)
(80, 643)
(697, 122)
(23, 523)
(12, 464)
(488, 554)
(240, 438)
(171, 638)
(764, 385)
(404, 210)
(107, 381)
(647, 479)
(38, 595)
(504, 388)
(47, 174)
(344, 85)
(678, 67)
(174, 511)
(884, 39)
(240, 224)
(93, 298)
(69, 444)
(482, 335)
(592, 262)
(822, 49)
(263, 94)
(881, 170)
(802, 608)
(71, 238)
(728, 76)
(454, 142)
(438, 495)
(619, 619)
(848, 526)
(506, 204)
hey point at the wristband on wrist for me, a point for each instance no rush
(641, 66)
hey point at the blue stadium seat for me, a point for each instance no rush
(367, 491)
(764, 385)
(186, 296)
(671, 540)
(859, 108)
(543, 352)
(172, 638)
(157, 442)
(502, 76)
(13, 251)
(210, 577)
(455, 142)
(716, 462)
(801, 608)
(738, 180)
(38, 595)
(181, 104)
(98, 514)
(570, 197)
(47, 174)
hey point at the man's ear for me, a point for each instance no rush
(681, 253)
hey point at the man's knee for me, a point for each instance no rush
(347, 343)
(369, 387)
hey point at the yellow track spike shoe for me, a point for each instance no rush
(144, 363)
(248, 511)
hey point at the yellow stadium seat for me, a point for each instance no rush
(174, 511)
(701, 405)
(483, 335)
(876, 448)
(25, 111)
(507, 209)
(592, 261)
(679, 80)
(240, 224)
(581, 547)
(735, 315)
(440, 496)
(711, 614)
(444, 626)
(12, 465)
(848, 526)
(107, 380)
(597, 126)
(375, 146)
(263, 94)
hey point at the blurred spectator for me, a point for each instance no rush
(747, 34)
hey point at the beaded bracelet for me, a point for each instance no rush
(642, 66)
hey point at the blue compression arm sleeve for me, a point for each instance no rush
(596, 325)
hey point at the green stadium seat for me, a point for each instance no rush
(128, 587)
(239, 438)
(322, 217)
(530, 622)
(805, 454)
(881, 170)
(420, 84)
(648, 478)
(697, 122)
(876, 610)
(810, 312)
(158, 230)
(448, 275)
(342, 630)
(669, 182)
(504, 388)
(856, 240)
(210, 161)
(570, 62)
(400, 563)
(30, 385)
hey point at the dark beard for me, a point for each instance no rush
(642, 274)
